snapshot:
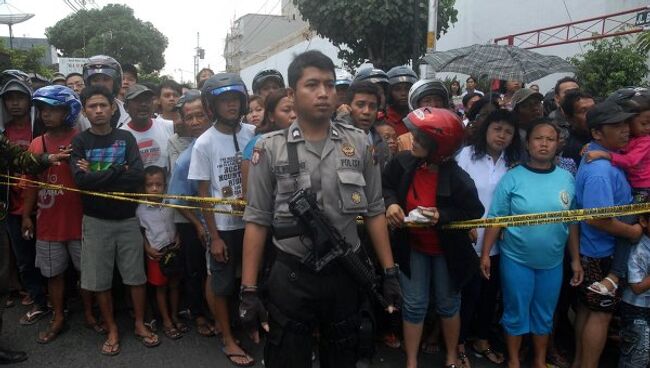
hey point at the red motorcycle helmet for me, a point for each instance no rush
(441, 126)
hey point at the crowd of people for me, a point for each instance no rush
(309, 157)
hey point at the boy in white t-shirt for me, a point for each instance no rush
(152, 135)
(216, 164)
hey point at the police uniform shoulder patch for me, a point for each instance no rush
(257, 155)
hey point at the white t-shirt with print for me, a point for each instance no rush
(215, 158)
(152, 142)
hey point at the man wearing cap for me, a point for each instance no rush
(600, 184)
(152, 135)
(58, 79)
(19, 129)
(527, 106)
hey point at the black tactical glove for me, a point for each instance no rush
(391, 288)
(251, 309)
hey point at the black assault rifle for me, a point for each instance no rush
(327, 243)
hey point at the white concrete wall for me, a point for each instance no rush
(481, 21)
(282, 59)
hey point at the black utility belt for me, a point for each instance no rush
(295, 262)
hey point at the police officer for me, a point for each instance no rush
(334, 162)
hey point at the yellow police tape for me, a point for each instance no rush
(504, 221)
(126, 196)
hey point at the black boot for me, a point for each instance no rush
(10, 357)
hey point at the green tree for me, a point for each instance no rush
(29, 61)
(610, 65)
(643, 42)
(385, 33)
(112, 30)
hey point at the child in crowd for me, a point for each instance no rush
(161, 241)
(255, 110)
(635, 160)
(635, 308)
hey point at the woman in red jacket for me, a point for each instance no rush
(427, 183)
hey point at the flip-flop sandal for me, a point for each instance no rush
(32, 317)
(230, 357)
(97, 327)
(391, 341)
(205, 330)
(488, 354)
(172, 333)
(27, 301)
(109, 349)
(51, 334)
(151, 336)
(429, 348)
(599, 288)
(464, 360)
(182, 327)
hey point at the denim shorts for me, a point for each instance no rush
(428, 272)
(635, 337)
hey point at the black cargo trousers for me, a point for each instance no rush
(302, 302)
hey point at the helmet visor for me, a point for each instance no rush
(235, 88)
(48, 101)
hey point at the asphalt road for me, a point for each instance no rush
(80, 347)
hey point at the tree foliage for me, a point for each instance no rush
(643, 42)
(112, 30)
(385, 33)
(610, 65)
(29, 61)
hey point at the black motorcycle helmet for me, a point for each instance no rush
(102, 64)
(265, 75)
(222, 83)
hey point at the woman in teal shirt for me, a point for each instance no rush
(531, 256)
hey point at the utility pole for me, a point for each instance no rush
(432, 29)
(200, 55)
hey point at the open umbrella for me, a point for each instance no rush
(497, 62)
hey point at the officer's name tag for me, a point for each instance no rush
(350, 163)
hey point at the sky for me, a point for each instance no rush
(179, 21)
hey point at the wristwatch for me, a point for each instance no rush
(392, 271)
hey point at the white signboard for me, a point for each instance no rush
(71, 65)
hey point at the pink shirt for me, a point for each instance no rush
(635, 160)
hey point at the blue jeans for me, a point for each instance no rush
(428, 272)
(25, 252)
(635, 337)
(529, 297)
